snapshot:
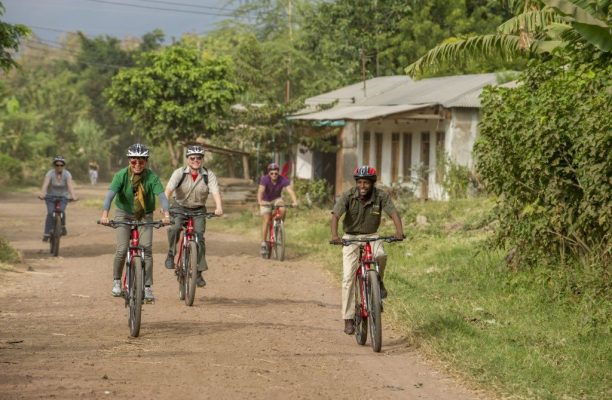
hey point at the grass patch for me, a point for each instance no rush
(8, 255)
(510, 332)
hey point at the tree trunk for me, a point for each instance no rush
(172, 152)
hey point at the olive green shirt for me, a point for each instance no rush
(122, 185)
(363, 217)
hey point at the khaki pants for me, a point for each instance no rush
(350, 263)
(123, 237)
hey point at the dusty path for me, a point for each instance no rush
(259, 330)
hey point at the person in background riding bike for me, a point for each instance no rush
(191, 186)
(135, 188)
(269, 193)
(363, 206)
(57, 182)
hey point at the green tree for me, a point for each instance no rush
(10, 36)
(175, 95)
(540, 27)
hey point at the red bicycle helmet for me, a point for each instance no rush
(273, 166)
(365, 172)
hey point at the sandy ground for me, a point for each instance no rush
(260, 329)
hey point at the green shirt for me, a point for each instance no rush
(363, 217)
(122, 185)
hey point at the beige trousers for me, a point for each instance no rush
(350, 263)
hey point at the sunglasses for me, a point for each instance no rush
(140, 161)
(59, 165)
(195, 158)
(273, 173)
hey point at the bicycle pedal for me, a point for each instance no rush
(149, 301)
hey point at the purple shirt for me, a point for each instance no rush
(273, 190)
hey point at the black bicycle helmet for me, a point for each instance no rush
(138, 150)
(365, 172)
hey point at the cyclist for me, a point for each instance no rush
(191, 186)
(57, 182)
(135, 187)
(269, 192)
(363, 206)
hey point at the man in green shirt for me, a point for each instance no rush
(363, 206)
(135, 188)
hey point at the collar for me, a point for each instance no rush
(187, 170)
(355, 194)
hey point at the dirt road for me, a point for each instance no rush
(260, 329)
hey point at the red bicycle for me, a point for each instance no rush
(56, 228)
(275, 238)
(187, 257)
(368, 301)
(132, 281)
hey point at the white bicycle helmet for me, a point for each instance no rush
(194, 150)
(138, 150)
(60, 159)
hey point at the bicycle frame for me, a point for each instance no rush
(134, 250)
(366, 260)
(274, 222)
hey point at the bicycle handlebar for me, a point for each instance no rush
(208, 215)
(115, 224)
(346, 242)
(54, 197)
(272, 206)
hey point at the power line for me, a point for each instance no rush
(185, 5)
(161, 8)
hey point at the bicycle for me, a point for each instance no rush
(368, 301)
(132, 281)
(56, 228)
(275, 242)
(186, 270)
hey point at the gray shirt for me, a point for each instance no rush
(58, 186)
(190, 193)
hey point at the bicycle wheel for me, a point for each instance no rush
(375, 309)
(56, 235)
(136, 294)
(191, 272)
(361, 324)
(180, 277)
(279, 235)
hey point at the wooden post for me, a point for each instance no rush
(245, 166)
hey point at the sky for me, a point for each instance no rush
(49, 19)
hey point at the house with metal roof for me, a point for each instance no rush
(399, 126)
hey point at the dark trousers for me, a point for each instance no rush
(199, 227)
(50, 208)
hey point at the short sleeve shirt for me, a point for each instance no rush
(272, 190)
(363, 217)
(192, 194)
(58, 186)
(122, 185)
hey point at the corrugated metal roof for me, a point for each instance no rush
(355, 93)
(444, 90)
(358, 112)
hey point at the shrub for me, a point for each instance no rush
(10, 170)
(313, 193)
(7, 253)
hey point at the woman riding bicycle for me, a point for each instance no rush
(269, 193)
(135, 188)
(57, 182)
(363, 205)
(191, 186)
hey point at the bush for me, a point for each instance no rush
(544, 150)
(10, 170)
(314, 193)
(7, 253)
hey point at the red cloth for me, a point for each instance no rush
(285, 170)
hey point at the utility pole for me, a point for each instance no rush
(288, 81)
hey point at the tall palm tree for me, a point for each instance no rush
(540, 27)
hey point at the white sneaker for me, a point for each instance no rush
(116, 288)
(149, 293)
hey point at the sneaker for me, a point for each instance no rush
(46, 237)
(264, 249)
(170, 261)
(383, 291)
(64, 231)
(149, 293)
(116, 288)
(200, 281)
(349, 326)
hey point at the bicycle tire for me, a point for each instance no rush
(180, 277)
(191, 272)
(56, 235)
(136, 294)
(374, 311)
(279, 235)
(361, 324)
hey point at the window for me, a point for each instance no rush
(407, 152)
(366, 148)
(395, 155)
